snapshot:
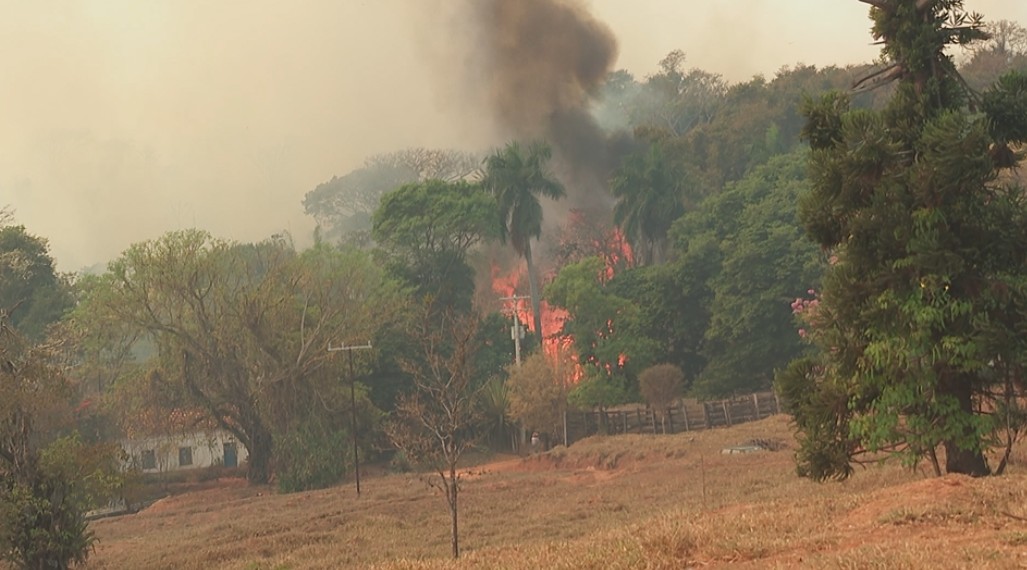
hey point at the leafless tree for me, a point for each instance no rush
(436, 423)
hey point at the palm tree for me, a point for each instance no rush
(648, 193)
(517, 176)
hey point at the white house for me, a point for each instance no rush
(158, 454)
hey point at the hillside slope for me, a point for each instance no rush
(616, 502)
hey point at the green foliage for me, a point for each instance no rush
(494, 402)
(43, 496)
(32, 294)
(313, 453)
(344, 205)
(724, 301)
(41, 523)
(1005, 105)
(820, 405)
(241, 331)
(919, 311)
(518, 177)
(427, 229)
(649, 198)
(537, 393)
(599, 391)
(496, 347)
(605, 327)
(97, 469)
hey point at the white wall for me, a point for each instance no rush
(207, 449)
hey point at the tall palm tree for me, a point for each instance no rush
(648, 192)
(517, 176)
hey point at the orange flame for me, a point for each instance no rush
(581, 238)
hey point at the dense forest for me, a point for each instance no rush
(795, 227)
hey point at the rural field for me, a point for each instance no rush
(627, 501)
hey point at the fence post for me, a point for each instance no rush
(705, 416)
(755, 406)
(727, 412)
(777, 402)
(684, 412)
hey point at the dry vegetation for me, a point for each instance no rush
(616, 502)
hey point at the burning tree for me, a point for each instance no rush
(517, 177)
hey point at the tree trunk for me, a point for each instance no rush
(451, 491)
(958, 460)
(258, 470)
(536, 301)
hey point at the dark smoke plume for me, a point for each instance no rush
(542, 62)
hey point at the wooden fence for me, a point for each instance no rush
(684, 415)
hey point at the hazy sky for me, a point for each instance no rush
(120, 119)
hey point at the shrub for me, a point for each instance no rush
(313, 454)
(42, 524)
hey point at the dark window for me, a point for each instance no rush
(231, 455)
(149, 459)
(185, 456)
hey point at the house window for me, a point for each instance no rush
(185, 456)
(149, 459)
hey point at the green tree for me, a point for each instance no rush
(537, 391)
(427, 229)
(919, 313)
(243, 330)
(765, 262)
(42, 506)
(344, 205)
(599, 391)
(604, 326)
(720, 309)
(649, 198)
(677, 100)
(518, 176)
(32, 294)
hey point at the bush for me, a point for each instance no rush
(42, 524)
(661, 385)
(311, 455)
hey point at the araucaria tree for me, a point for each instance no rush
(517, 176)
(920, 316)
(439, 419)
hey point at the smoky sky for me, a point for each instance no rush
(123, 119)
(535, 68)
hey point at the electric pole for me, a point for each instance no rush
(353, 403)
(516, 331)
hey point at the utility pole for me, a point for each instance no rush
(516, 331)
(353, 403)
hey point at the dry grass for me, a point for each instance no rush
(616, 502)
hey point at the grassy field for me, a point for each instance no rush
(616, 502)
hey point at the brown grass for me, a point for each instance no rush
(617, 502)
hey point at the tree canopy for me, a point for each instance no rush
(518, 177)
(918, 314)
(244, 329)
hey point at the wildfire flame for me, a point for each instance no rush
(579, 239)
